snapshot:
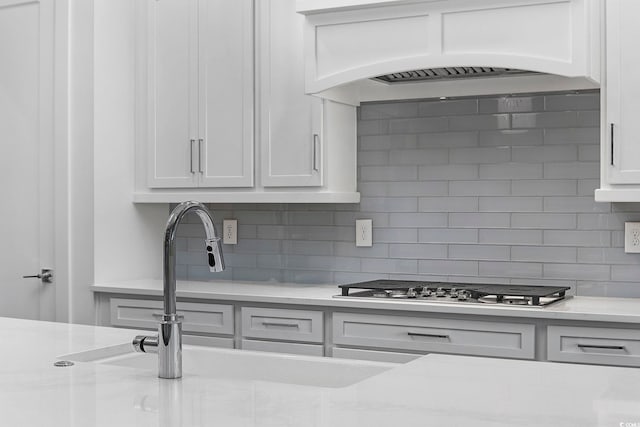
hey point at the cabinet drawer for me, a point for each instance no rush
(284, 347)
(277, 324)
(435, 335)
(202, 318)
(602, 346)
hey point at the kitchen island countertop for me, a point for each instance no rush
(434, 390)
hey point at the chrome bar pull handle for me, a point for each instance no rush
(417, 334)
(200, 141)
(288, 325)
(611, 144)
(602, 347)
(192, 142)
(316, 155)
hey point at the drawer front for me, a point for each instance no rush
(478, 338)
(202, 318)
(374, 355)
(277, 324)
(284, 347)
(602, 346)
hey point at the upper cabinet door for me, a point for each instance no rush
(290, 122)
(226, 83)
(172, 103)
(621, 133)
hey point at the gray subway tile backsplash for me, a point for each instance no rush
(480, 188)
(511, 171)
(546, 154)
(511, 138)
(447, 235)
(487, 190)
(425, 156)
(418, 125)
(578, 101)
(570, 135)
(445, 108)
(480, 155)
(511, 104)
(510, 237)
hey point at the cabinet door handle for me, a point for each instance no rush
(418, 334)
(288, 325)
(611, 144)
(192, 141)
(602, 347)
(200, 141)
(316, 145)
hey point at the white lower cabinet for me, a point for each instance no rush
(377, 336)
(601, 346)
(283, 330)
(199, 318)
(478, 338)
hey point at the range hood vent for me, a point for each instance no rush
(430, 74)
(378, 50)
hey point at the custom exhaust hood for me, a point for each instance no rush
(376, 50)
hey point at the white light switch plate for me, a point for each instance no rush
(632, 237)
(230, 231)
(363, 232)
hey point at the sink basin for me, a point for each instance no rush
(245, 365)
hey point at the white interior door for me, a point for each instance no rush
(26, 147)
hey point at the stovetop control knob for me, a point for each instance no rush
(411, 293)
(463, 296)
(440, 292)
(453, 293)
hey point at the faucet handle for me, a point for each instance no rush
(145, 344)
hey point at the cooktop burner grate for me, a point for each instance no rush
(517, 295)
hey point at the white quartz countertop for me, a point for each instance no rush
(624, 310)
(434, 390)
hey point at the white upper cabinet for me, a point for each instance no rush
(226, 92)
(172, 88)
(199, 76)
(290, 122)
(201, 136)
(620, 154)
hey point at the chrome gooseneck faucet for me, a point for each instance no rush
(168, 342)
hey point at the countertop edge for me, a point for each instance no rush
(610, 310)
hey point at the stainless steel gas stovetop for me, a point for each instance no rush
(455, 293)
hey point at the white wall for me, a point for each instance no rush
(127, 237)
(75, 303)
(109, 238)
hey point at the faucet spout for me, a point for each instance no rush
(213, 247)
(168, 343)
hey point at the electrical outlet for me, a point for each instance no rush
(632, 237)
(363, 232)
(230, 231)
